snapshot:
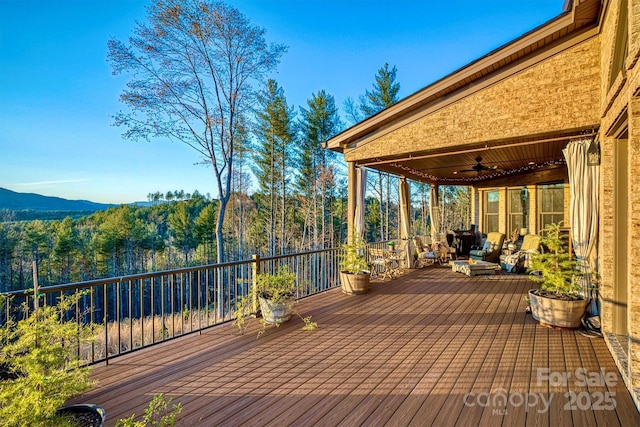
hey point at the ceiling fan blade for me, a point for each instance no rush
(465, 171)
(478, 168)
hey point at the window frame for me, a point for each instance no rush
(543, 215)
(491, 217)
(523, 196)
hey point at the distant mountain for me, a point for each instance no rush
(144, 204)
(29, 201)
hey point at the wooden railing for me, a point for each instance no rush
(133, 312)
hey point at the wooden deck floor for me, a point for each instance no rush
(430, 348)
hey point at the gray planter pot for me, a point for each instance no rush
(355, 284)
(275, 313)
(555, 312)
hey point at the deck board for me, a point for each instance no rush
(490, 376)
(449, 391)
(408, 352)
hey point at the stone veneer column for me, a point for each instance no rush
(532, 209)
(606, 232)
(503, 208)
(633, 308)
(475, 205)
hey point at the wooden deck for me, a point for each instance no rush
(408, 353)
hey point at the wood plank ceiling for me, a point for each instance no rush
(501, 161)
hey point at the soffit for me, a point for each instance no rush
(505, 159)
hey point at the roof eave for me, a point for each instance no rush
(419, 98)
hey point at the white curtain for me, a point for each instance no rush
(584, 183)
(405, 220)
(434, 212)
(361, 190)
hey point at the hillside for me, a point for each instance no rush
(15, 201)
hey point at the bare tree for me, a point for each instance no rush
(192, 68)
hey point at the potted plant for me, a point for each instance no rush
(42, 370)
(275, 294)
(354, 270)
(559, 301)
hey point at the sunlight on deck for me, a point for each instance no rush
(431, 347)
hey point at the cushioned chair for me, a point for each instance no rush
(491, 249)
(442, 238)
(429, 255)
(518, 262)
(421, 253)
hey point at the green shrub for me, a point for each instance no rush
(40, 352)
(558, 274)
(157, 414)
(353, 260)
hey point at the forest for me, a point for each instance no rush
(177, 230)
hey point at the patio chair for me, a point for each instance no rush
(491, 249)
(442, 239)
(380, 263)
(421, 252)
(429, 255)
(518, 262)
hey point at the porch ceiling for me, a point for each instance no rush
(511, 160)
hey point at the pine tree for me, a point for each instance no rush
(317, 170)
(272, 158)
(64, 248)
(384, 93)
(182, 226)
(205, 231)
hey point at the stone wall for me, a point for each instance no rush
(633, 309)
(620, 119)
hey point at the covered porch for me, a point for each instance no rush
(430, 348)
(499, 123)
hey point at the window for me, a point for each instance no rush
(551, 204)
(491, 211)
(517, 206)
(621, 44)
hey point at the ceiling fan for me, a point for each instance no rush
(478, 167)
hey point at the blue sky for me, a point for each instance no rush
(58, 96)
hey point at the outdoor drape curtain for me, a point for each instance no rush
(434, 212)
(361, 190)
(405, 220)
(584, 183)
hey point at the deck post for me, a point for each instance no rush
(255, 267)
(351, 199)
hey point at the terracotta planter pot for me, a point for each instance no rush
(555, 312)
(275, 313)
(354, 284)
